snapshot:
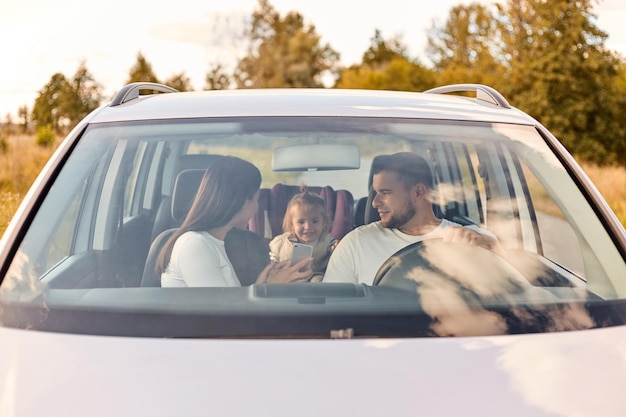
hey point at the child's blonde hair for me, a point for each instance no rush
(306, 199)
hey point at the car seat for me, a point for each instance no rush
(268, 222)
(185, 189)
(163, 219)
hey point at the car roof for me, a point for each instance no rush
(308, 102)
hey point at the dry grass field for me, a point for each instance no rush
(21, 160)
(611, 182)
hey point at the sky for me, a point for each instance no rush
(39, 38)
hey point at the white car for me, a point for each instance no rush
(87, 330)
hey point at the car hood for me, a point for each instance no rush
(578, 373)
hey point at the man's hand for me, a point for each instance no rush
(458, 234)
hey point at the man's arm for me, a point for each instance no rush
(474, 235)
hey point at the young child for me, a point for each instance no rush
(306, 221)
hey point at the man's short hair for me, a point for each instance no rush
(410, 167)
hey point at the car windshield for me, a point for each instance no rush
(87, 261)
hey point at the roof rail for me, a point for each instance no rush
(131, 91)
(483, 93)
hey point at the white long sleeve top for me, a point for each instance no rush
(199, 260)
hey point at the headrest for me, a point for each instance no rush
(185, 189)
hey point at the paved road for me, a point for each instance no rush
(560, 243)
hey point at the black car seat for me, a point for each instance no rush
(163, 218)
(185, 189)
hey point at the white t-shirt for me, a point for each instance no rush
(199, 260)
(360, 254)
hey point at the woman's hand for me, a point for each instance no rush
(283, 272)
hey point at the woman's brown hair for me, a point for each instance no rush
(225, 187)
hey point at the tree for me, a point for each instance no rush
(141, 71)
(560, 72)
(4, 144)
(82, 95)
(45, 136)
(549, 59)
(180, 82)
(47, 110)
(23, 115)
(465, 49)
(283, 52)
(619, 98)
(387, 66)
(217, 78)
(62, 103)
(8, 124)
(382, 51)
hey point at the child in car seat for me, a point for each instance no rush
(306, 221)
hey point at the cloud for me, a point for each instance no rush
(214, 29)
(569, 375)
(482, 294)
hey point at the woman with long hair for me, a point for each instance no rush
(195, 255)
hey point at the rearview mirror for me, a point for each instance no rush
(319, 157)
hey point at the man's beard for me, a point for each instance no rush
(398, 220)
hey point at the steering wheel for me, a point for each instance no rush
(460, 263)
(468, 290)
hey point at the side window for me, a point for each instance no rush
(521, 212)
(472, 186)
(460, 191)
(558, 241)
(132, 193)
(142, 190)
(509, 209)
(63, 238)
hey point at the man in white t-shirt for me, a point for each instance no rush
(402, 185)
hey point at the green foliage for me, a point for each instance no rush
(62, 103)
(48, 108)
(465, 49)
(82, 96)
(548, 58)
(382, 51)
(180, 82)
(562, 74)
(399, 74)
(386, 66)
(217, 79)
(141, 71)
(284, 52)
(23, 114)
(45, 136)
